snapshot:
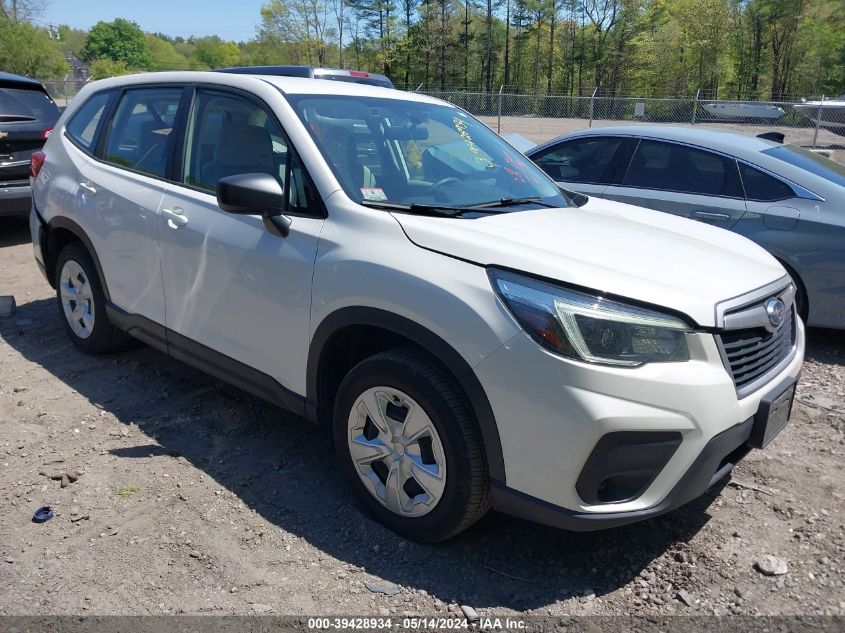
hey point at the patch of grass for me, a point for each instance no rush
(126, 492)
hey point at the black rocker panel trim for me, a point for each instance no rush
(138, 327)
(207, 360)
(428, 340)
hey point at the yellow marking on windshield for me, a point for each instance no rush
(461, 128)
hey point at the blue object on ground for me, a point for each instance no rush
(42, 515)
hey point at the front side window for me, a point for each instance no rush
(230, 135)
(142, 129)
(585, 160)
(761, 187)
(674, 167)
(83, 126)
(407, 152)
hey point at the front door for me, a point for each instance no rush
(585, 164)
(231, 285)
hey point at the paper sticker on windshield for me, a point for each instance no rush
(373, 193)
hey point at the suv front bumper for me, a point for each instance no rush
(553, 414)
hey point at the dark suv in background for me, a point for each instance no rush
(27, 116)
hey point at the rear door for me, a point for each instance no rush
(584, 164)
(682, 180)
(27, 115)
(120, 190)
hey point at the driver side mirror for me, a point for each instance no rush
(255, 194)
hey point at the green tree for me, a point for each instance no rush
(26, 50)
(119, 41)
(71, 40)
(212, 52)
(105, 67)
(164, 56)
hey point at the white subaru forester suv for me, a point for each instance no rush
(382, 262)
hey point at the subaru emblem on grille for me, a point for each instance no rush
(776, 311)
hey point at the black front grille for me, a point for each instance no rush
(752, 353)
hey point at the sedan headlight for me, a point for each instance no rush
(589, 327)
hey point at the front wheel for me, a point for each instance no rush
(407, 442)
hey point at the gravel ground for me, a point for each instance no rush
(197, 498)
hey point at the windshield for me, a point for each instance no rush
(412, 153)
(809, 161)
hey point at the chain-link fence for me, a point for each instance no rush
(62, 90)
(812, 123)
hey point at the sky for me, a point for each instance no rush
(231, 20)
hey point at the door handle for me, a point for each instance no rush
(709, 215)
(175, 217)
(88, 188)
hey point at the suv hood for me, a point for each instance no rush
(612, 248)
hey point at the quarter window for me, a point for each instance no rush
(584, 160)
(673, 167)
(142, 129)
(761, 187)
(83, 126)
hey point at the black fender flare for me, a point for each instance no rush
(47, 248)
(434, 345)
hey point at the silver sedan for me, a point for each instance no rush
(787, 199)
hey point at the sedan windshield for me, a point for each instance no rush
(421, 155)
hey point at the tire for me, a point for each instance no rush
(802, 306)
(449, 487)
(82, 303)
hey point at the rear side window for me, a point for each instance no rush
(83, 125)
(141, 131)
(761, 187)
(24, 104)
(673, 167)
(586, 160)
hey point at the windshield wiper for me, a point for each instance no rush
(447, 211)
(421, 209)
(510, 202)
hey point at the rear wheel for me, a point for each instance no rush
(408, 444)
(801, 304)
(83, 304)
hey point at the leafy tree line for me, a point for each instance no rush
(25, 49)
(726, 48)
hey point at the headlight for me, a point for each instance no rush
(591, 328)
